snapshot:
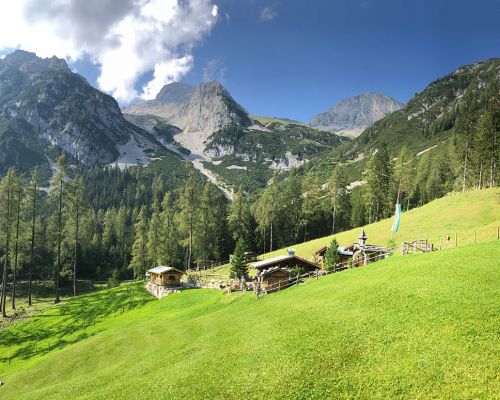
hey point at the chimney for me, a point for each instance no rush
(362, 238)
(291, 252)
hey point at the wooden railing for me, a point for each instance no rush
(421, 245)
(261, 291)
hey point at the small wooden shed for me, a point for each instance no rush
(165, 276)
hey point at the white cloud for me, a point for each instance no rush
(267, 14)
(126, 38)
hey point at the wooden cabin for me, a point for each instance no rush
(289, 261)
(278, 270)
(165, 276)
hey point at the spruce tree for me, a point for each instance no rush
(338, 197)
(171, 250)
(58, 194)
(332, 255)
(379, 179)
(33, 201)
(7, 196)
(139, 258)
(239, 269)
(154, 236)
(188, 216)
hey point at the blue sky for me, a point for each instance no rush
(286, 58)
(314, 53)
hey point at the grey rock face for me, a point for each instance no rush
(353, 115)
(43, 104)
(168, 104)
(205, 108)
(212, 108)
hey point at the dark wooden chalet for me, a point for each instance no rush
(278, 269)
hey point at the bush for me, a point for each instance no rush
(113, 279)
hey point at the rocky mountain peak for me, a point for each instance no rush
(30, 64)
(212, 108)
(175, 92)
(353, 115)
(45, 108)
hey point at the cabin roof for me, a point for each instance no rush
(161, 269)
(271, 270)
(278, 259)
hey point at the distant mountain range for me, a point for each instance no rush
(352, 116)
(221, 137)
(46, 109)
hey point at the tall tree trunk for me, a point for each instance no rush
(77, 225)
(6, 260)
(32, 250)
(334, 215)
(59, 240)
(480, 176)
(465, 165)
(16, 251)
(271, 239)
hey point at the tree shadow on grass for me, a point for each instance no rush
(69, 322)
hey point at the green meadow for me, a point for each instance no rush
(474, 216)
(419, 326)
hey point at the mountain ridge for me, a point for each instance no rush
(351, 116)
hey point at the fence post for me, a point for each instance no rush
(498, 232)
(475, 236)
(456, 239)
(440, 242)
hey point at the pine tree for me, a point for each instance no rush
(379, 178)
(139, 259)
(239, 269)
(358, 214)
(403, 175)
(77, 194)
(58, 193)
(188, 207)
(170, 251)
(154, 236)
(123, 238)
(33, 200)
(463, 132)
(18, 192)
(332, 255)
(240, 216)
(204, 231)
(339, 197)
(311, 206)
(7, 196)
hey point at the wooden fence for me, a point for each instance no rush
(275, 287)
(421, 245)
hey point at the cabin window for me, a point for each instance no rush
(171, 277)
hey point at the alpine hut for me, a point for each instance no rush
(277, 271)
(163, 280)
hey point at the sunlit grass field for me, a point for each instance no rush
(474, 216)
(419, 326)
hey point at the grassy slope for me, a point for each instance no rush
(463, 214)
(416, 327)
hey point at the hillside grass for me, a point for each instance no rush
(419, 326)
(473, 216)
